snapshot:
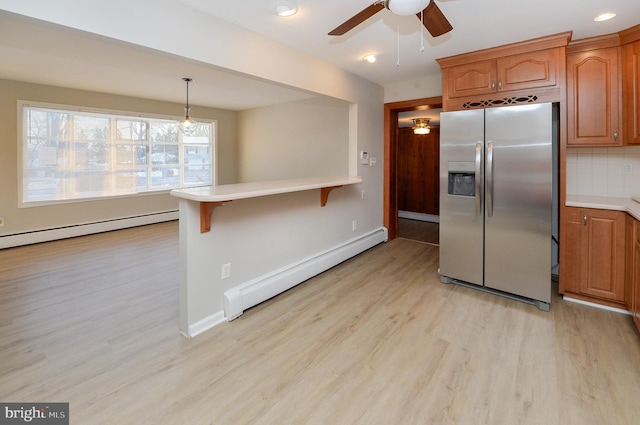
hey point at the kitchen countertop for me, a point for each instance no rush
(605, 203)
(230, 192)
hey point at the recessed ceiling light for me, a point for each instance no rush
(285, 8)
(604, 17)
(370, 58)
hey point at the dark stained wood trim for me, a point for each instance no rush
(391, 110)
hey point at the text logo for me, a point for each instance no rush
(34, 413)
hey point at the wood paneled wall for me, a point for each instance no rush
(418, 171)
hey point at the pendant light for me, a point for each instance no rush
(188, 126)
(421, 126)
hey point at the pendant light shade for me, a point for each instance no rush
(421, 126)
(188, 126)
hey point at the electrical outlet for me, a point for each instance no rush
(354, 225)
(1, 221)
(364, 194)
(226, 271)
(372, 161)
(627, 168)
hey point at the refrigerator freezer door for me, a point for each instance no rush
(518, 232)
(461, 217)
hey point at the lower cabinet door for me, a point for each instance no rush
(635, 293)
(603, 254)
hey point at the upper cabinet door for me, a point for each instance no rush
(528, 70)
(471, 79)
(593, 98)
(631, 92)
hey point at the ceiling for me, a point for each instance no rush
(27, 46)
(477, 24)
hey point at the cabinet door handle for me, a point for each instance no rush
(584, 219)
(615, 135)
(493, 85)
(499, 84)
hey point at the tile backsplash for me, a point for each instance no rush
(604, 171)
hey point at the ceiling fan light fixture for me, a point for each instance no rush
(604, 17)
(285, 8)
(421, 126)
(406, 7)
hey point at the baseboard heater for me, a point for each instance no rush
(46, 235)
(252, 293)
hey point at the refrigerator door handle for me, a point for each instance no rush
(489, 179)
(478, 179)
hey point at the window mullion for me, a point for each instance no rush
(113, 155)
(70, 166)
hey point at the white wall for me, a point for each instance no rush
(427, 86)
(308, 138)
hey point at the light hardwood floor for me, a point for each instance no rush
(93, 321)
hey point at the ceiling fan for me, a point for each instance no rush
(432, 17)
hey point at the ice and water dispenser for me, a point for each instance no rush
(462, 178)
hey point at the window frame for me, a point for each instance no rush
(113, 115)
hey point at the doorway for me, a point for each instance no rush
(396, 181)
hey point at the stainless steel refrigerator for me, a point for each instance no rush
(496, 184)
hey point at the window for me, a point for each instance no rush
(70, 155)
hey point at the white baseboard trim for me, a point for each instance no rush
(419, 216)
(600, 306)
(205, 324)
(46, 235)
(251, 293)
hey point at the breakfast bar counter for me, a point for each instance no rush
(211, 197)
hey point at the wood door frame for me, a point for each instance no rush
(391, 110)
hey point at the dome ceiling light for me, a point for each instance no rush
(285, 8)
(604, 17)
(421, 126)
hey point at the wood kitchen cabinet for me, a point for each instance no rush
(635, 300)
(594, 111)
(593, 258)
(525, 72)
(630, 238)
(570, 250)
(631, 91)
(632, 292)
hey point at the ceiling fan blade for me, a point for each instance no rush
(358, 19)
(434, 20)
